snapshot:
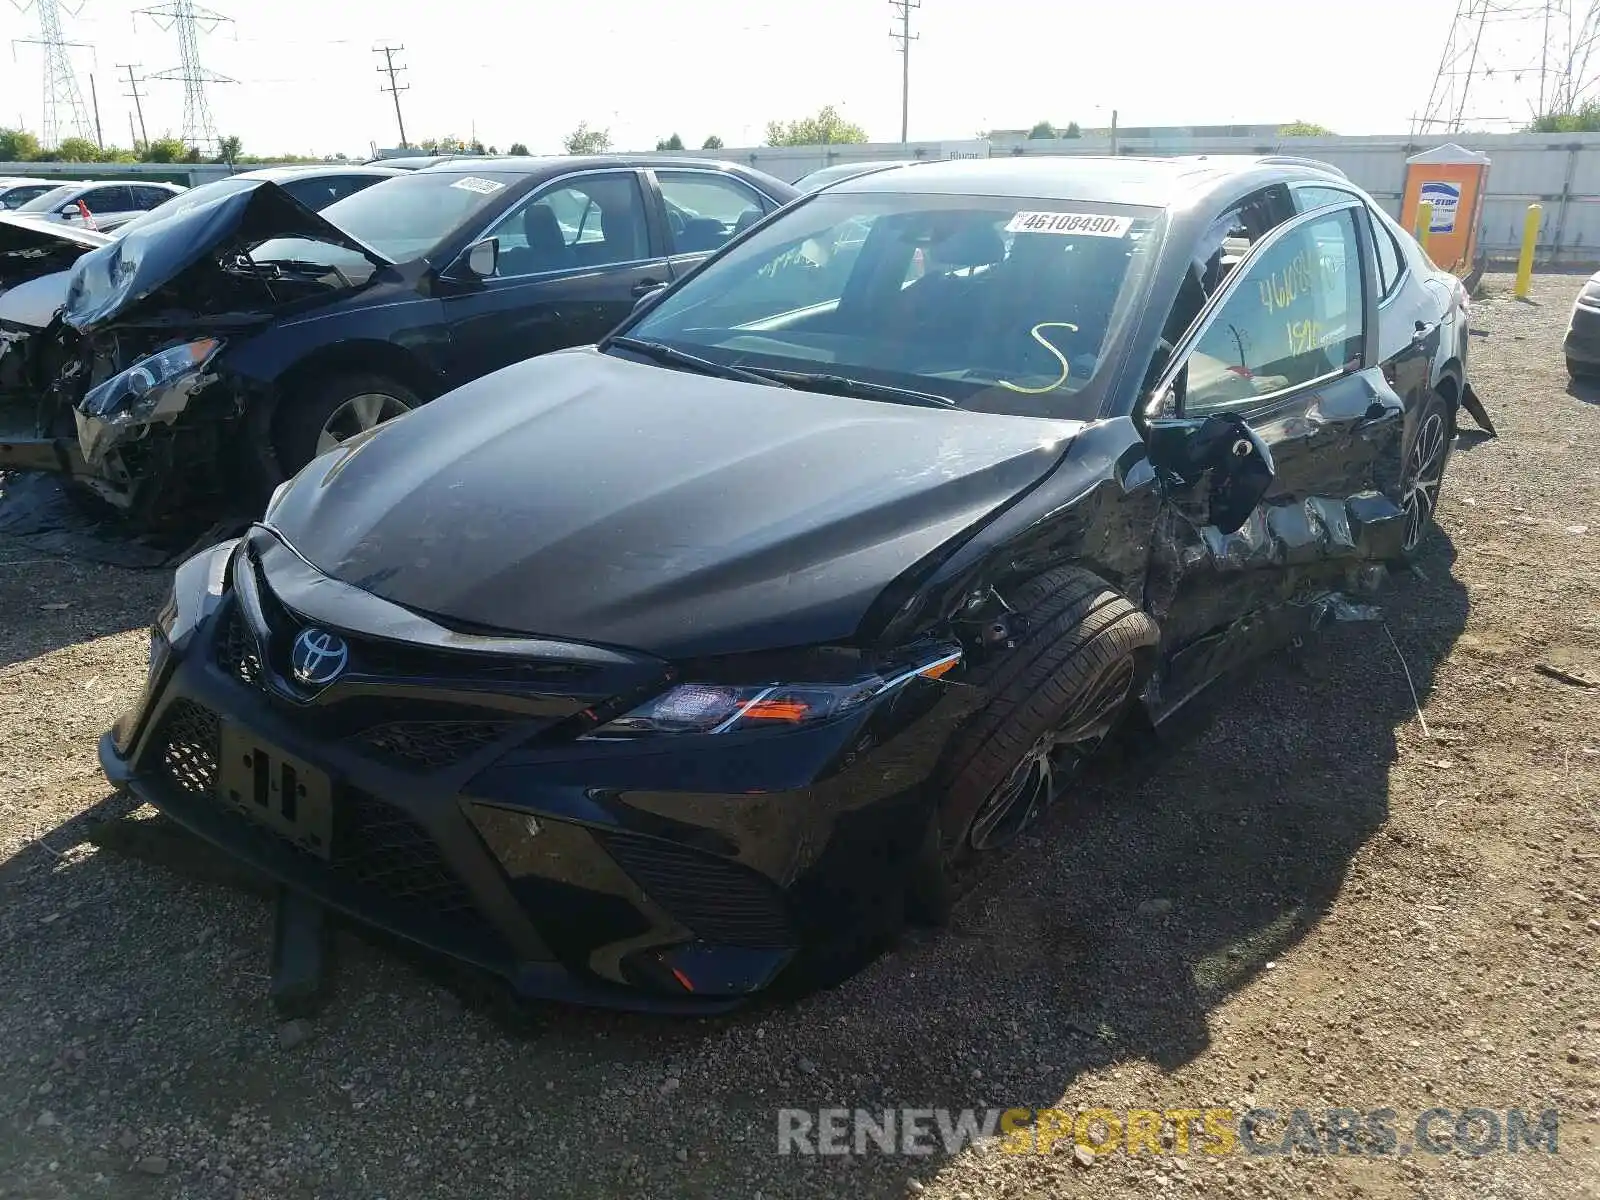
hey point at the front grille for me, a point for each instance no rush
(376, 847)
(236, 650)
(428, 745)
(720, 901)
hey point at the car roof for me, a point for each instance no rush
(1124, 179)
(279, 174)
(547, 164)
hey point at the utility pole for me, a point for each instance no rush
(905, 37)
(394, 88)
(94, 98)
(136, 96)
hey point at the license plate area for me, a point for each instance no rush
(288, 796)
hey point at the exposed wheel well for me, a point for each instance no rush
(383, 358)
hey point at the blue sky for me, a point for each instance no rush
(646, 69)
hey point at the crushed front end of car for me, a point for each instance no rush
(591, 824)
(138, 349)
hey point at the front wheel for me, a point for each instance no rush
(1426, 456)
(1083, 656)
(333, 411)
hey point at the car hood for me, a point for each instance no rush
(34, 304)
(109, 283)
(30, 248)
(583, 496)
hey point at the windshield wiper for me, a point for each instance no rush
(843, 385)
(663, 353)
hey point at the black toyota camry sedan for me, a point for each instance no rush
(650, 672)
(206, 355)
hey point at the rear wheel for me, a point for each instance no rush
(1054, 699)
(333, 411)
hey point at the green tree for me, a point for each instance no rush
(476, 147)
(1585, 120)
(584, 140)
(116, 154)
(711, 143)
(1072, 130)
(228, 150)
(77, 149)
(672, 143)
(824, 129)
(1043, 131)
(518, 148)
(164, 150)
(448, 144)
(18, 145)
(1298, 128)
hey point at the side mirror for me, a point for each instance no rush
(483, 258)
(647, 299)
(1223, 448)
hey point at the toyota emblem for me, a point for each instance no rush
(318, 657)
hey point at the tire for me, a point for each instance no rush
(1432, 437)
(302, 419)
(1082, 656)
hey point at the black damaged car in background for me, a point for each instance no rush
(201, 358)
(652, 673)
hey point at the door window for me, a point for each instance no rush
(108, 199)
(1295, 316)
(1390, 262)
(595, 221)
(146, 198)
(705, 209)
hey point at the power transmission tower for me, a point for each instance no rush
(190, 20)
(905, 37)
(1513, 62)
(60, 84)
(133, 93)
(394, 88)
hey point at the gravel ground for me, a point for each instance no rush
(1314, 902)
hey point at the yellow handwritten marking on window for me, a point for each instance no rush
(1304, 336)
(1282, 288)
(1059, 357)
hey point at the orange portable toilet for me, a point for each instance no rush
(1453, 179)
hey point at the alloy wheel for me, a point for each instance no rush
(1424, 473)
(1052, 761)
(357, 415)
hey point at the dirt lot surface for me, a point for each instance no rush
(1317, 902)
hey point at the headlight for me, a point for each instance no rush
(138, 393)
(197, 585)
(711, 708)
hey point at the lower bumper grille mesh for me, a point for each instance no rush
(720, 901)
(377, 846)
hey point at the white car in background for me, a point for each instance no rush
(15, 191)
(111, 201)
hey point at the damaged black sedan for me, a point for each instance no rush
(652, 673)
(205, 355)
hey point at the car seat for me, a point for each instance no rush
(699, 234)
(547, 248)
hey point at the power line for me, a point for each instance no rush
(190, 20)
(60, 84)
(133, 93)
(394, 88)
(905, 37)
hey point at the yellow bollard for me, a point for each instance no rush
(1530, 238)
(1424, 223)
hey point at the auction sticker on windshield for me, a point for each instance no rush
(1093, 224)
(483, 187)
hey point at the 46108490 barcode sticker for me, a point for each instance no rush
(1091, 224)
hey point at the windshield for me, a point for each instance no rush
(52, 199)
(404, 218)
(994, 304)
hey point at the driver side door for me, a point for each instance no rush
(1285, 356)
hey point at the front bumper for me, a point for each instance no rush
(680, 880)
(1582, 341)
